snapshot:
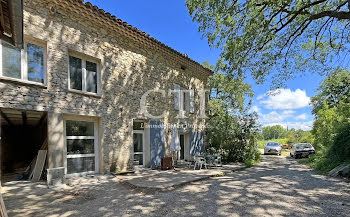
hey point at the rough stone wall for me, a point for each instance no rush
(128, 70)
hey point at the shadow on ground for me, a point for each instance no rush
(277, 187)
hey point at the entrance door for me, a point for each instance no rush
(81, 142)
(182, 145)
(138, 141)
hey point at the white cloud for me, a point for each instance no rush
(296, 125)
(285, 99)
(301, 117)
(275, 116)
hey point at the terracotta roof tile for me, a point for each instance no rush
(134, 29)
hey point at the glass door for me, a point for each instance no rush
(81, 141)
(182, 145)
(138, 141)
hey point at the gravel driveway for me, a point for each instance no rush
(278, 186)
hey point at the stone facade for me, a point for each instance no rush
(129, 67)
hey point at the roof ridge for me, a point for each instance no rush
(136, 30)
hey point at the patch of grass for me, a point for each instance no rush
(304, 160)
(320, 162)
(285, 152)
(251, 162)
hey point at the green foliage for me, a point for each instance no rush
(335, 88)
(284, 37)
(252, 157)
(232, 130)
(273, 132)
(283, 136)
(299, 136)
(229, 92)
(233, 135)
(332, 123)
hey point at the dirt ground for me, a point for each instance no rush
(278, 186)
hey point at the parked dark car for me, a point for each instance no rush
(300, 150)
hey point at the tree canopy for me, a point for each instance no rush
(334, 89)
(231, 128)
(273, 132)
(275, 37)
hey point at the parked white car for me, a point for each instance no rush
(272, 148)
(302, 150)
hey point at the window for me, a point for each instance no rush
(183, 100)
(27, 64)
(83, 75)
(81, 146)
(138, 143)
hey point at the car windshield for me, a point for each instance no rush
(272, 144)
(303, 146)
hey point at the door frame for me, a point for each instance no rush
(96, 144)
(143, 147)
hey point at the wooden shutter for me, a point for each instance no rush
(196, 143)
(157, 140)
(5, 22)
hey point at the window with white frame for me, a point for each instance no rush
(183, 100)
(83, 75)
(26, 64)
(81, 142)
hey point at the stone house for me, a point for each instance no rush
(78, 83)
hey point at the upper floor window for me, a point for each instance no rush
(83, 75)
(27, 64)
(183, 99)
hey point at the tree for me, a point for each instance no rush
(231, 129)
(274, 37)
(331, 127)
(335, 88)
(273, 132)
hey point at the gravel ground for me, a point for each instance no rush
(278, 186)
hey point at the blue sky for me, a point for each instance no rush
(169, 22)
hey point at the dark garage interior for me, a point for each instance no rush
(23, 133)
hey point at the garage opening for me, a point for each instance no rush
(23, 134)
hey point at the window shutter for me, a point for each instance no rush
(192, 100)
(5, 22)
(176, 96)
